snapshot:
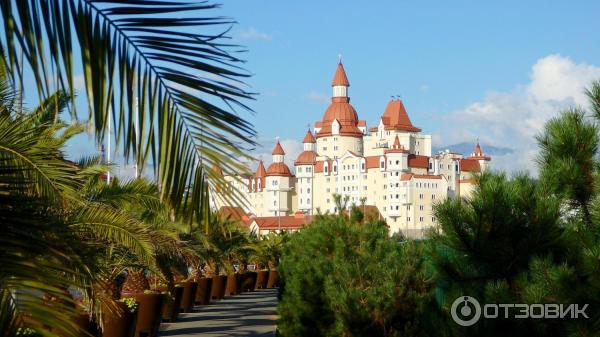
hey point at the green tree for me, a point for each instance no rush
(346, 279)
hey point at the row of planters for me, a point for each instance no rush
(141, 310)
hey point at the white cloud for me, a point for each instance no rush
(254, 34)
(291, 147)
(79, 82)
(513, 119)
(318, 97)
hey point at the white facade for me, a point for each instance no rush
(389, 166)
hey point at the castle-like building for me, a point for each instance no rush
(389, 166)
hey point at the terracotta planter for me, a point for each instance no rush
(170, 309)
(231, 285)
(119, 324)
(262, 276)
(273, 280)
(85, 325)
(217, 289)
(149, 314)
(203, 292)
(189, 296)
(248, 281)
(239, 279)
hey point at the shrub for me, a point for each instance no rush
(346, 279)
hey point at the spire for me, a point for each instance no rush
(340, 78)
(396, 118)
(478, 152)
(261, 172)
(278, 150)
(309, 138)
(396, 143)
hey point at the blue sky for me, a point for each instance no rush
(464, 69)
(443, 58)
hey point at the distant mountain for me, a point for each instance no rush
(466, 148)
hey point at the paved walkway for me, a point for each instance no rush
(247, 314)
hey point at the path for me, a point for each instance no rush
(247, 314)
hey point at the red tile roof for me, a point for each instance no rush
(232, 213)
(306, 158)
(372, 162)
(260, 170)
(340, 78)
(278, 150)
(344, 113)
(283, 222)
(396, 118)
(470, 165)
(278, 169)
(319, 166)
(415, 160)
(309, 138)
(478, 154)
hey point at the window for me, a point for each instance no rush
(384, 208)
(300, 200)
(328, 200)
(326, 169)
(421, 207)
(362, 166)
(309, 169)
(308, 190)
(408, 207)
(335, 168)
(397, 196)
(397, 207)
(308, 201)
(408, 219)
(432, 219)
(364, 176)
(430, 166)
(335, 148)
(382, 164)
(324, 148)
(328, 190)
(299, 169)
(421, 219)
(433, 196)
(364, 188)
(274, 193)
(328, 180)
(421, 196)
(274, 202)
(397, 162)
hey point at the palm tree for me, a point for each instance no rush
(170, 57)
(63, 227)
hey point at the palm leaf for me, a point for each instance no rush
(188, 83)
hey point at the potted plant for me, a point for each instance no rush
(231, 285)
(120, 321)
(171, 303)
(204, 290)
(249, 280)
(189, 295)
(273, 278)
(150, 302)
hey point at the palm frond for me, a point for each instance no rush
(169, 57)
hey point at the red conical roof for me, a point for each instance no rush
(478, 154)
(340, 77)
(278, 150)
(396, 143)
(309, 138)
(478, 151)
(260, 171)
(396, 118)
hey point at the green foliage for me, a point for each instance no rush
(130, 303)
(345, 279)
(486, 243)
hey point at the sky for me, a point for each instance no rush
(493, 70)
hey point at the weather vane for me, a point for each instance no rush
(340, 58)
